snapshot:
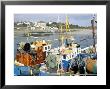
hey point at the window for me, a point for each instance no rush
(48, 47)
(45, 48)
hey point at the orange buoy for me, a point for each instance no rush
(91, 66)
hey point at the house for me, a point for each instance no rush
(41, 24)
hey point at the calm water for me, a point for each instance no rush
(84, 38)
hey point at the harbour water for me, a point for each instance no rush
(82, 37)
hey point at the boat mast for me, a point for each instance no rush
(58, 28)
(93, 30)
(67, 24)
(61, 35)
(67, 30)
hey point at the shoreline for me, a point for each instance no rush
(76, 31)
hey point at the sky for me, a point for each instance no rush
(75, 19)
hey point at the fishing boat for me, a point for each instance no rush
(70, 51)
(39, 57)
(32, 54)
(41, 33)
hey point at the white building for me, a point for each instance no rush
(19, 23)
(28, 23)
(41, 24)
(32, 28)
(50, 22)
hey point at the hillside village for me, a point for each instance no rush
(45, 26)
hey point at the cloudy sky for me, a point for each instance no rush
(75, 19)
